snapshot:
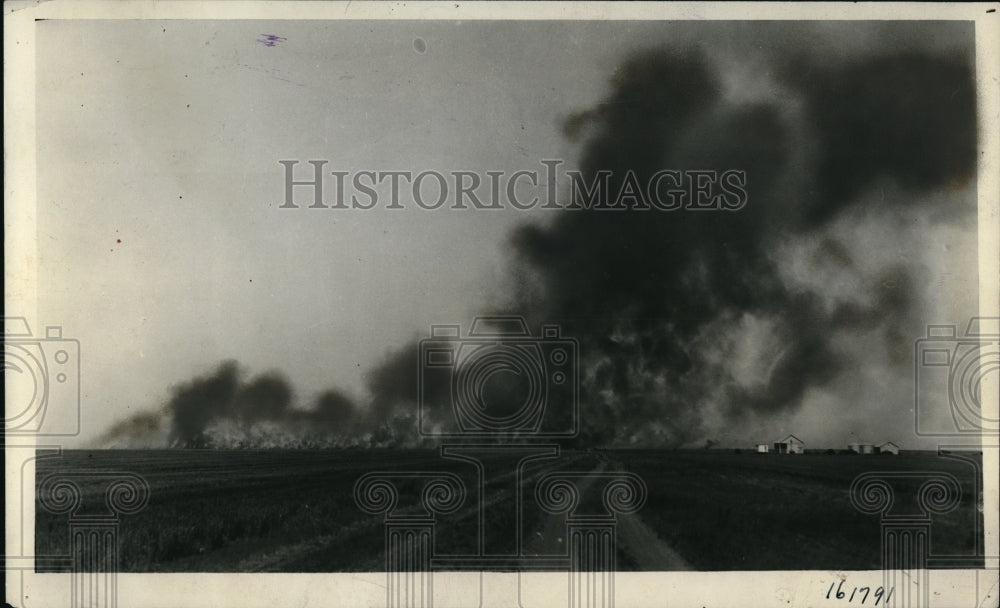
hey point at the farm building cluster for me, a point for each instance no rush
(793, 445)
(788, 445)
(869, 448)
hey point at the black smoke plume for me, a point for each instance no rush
(267, 397)
(643, 290)
(909, 117)
(654, 296)
(131, 431)
(223, 409)
(200, 402)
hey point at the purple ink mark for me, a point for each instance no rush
(270, 39)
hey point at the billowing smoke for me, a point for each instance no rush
(655, 297)
(200, 402)
(680, 313)
(143, 429)
(265, 398)
(224, 409)
(909, 117)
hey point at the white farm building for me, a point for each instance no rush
(888, 448)
(790, 445)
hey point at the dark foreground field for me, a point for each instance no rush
(294, 511)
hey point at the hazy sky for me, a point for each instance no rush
(162, 248)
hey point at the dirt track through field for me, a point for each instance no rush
(643, 546)
(634, 538)
(277, 559)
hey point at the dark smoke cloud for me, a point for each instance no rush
(393, 383)
(908, 117)
(639, 288)
(654, 296)
(140, 425)
(201, 401)
(267, 397)
(224, 410)
(333, 411)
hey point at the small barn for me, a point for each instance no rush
(854, 447)
(762, 448)
(861, 448)
(888, 448)
(790, 445)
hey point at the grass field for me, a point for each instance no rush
(294, 511)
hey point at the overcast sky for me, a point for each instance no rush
(163, 250)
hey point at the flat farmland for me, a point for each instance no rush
(747, 511)
(294, 511)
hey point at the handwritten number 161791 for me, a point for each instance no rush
(860, 593)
